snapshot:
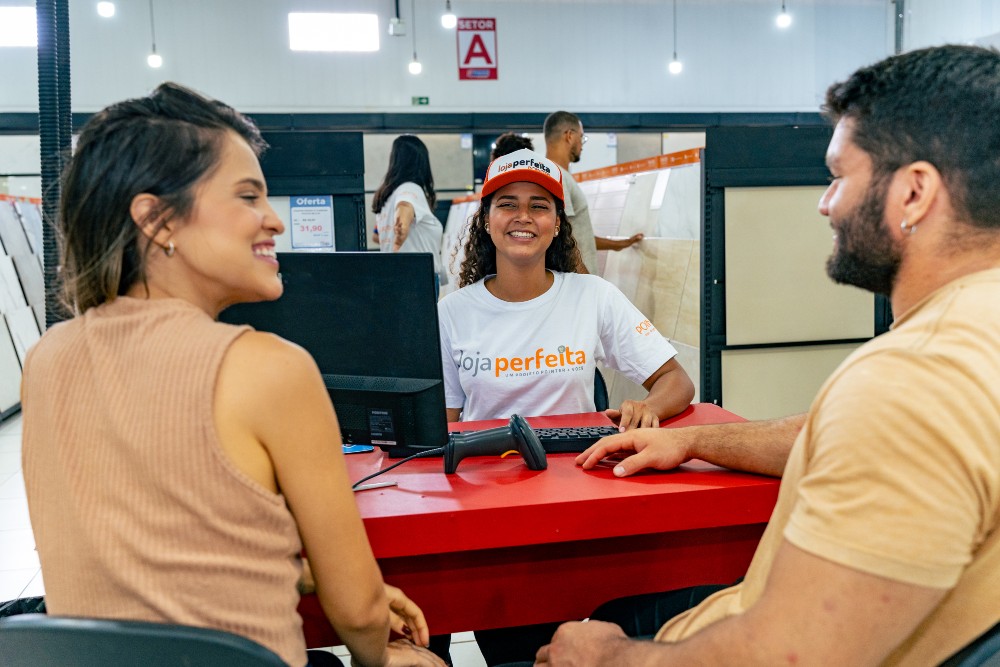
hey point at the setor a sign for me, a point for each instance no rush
(477, 49)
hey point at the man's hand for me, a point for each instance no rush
(617, 244)
(633, 414)
(404, 653)
(660, 449)
(405, 617)
(581, 644)
(401, 225)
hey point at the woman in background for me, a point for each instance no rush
(404, 203)
(508, 142)
(176, 466)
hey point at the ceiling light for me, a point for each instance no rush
(448, 19)
(415, 67)
(330, 31)
(18, 26)
(153, 59)
(106, 9)
(675, 65)
(784, 19)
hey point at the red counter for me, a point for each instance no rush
(497, 544)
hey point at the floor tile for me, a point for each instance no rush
(466, 654)
(13, 583)
(10, 442)
(12, 486)
(10, 461)
(14, 514)
(36, 587)
(11, 425)
(17, 550)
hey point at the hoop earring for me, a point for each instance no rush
(169, 249)
(557, 232)
(904, 226)
(487, 227)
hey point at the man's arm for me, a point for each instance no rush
(813, 612)
(759, 447)
(616, 244)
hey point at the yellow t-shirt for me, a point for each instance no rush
(896, 472)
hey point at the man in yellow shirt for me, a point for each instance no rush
(883, 547)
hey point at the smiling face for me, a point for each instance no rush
(865, 254)
(225, 247)
(523, 222)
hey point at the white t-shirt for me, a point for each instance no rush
(538, 357)
(578, 213)
(425, 232)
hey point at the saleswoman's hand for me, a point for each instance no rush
(633, 414)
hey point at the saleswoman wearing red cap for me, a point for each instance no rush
(524, 333)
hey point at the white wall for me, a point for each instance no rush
(584, 56)
(930, 22)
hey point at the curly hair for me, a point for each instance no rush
(508, 142)
(937, 104)
(481, 253)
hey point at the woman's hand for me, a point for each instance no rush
(405, 617)
(401, 226)
(634, 414)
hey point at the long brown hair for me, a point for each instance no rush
(409, 161)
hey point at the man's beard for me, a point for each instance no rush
(865, 254)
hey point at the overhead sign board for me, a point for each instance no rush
(477, 49)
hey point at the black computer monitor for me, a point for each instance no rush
(370, 321)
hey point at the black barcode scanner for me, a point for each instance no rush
(495, 441)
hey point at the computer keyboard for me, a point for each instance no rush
(572, 438)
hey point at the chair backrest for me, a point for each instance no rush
(38, 639)
(984, 651)
(600, 392)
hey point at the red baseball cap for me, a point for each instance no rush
(524, 165)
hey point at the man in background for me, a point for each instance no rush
(564, 140)
(884, 544)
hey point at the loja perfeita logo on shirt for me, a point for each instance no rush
(563, 359)
(645, 328)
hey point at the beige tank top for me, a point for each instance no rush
(137, 511)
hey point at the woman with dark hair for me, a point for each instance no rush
(175, 466)
(524, 332)
(508, 142)
(404, 203)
